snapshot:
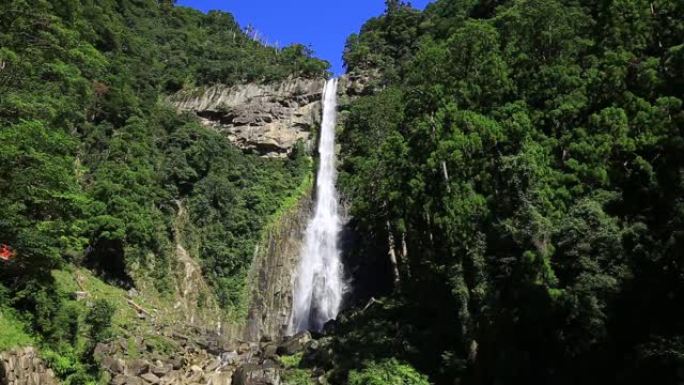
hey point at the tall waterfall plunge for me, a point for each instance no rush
(320, 282)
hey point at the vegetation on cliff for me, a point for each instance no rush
(524, 162)
(93, 162)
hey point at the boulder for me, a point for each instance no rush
(213, 344)
(319, 354)
(269, 363)
(294, 344)
(79, 295)
(119, 379)
(250, 374)
(221, 378)
(244, 348)
(161, 370)
(113, 365)
(101, 350)
(134, 381)
(194, 377)
(150, 378)
(24, 367)
(178, 362)
(269, 350)
(229, 358)
(212, 366)
(137, 367)
(126, 380)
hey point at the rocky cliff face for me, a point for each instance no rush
(24, 367)
(196, 302)
(268, 119)
(271, 276)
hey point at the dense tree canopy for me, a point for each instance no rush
(91, 158)
(94, 164)
(524, 161)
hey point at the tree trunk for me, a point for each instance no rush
(393, 256)
(404, 256)
(446, 176)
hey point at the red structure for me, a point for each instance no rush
(6, 253)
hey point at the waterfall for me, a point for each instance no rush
(319, 282)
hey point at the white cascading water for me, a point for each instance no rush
(320, 284)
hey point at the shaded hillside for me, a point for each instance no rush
(95, 164)
(524, 165)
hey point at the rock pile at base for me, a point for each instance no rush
(178, 360)
(197, 360)
(24, 367)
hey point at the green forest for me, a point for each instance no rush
(514, 174)
(525, 159)
(93, 162)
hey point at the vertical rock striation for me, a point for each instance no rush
(268, 119)
(273, 271)
(24, 367)
(196, 302)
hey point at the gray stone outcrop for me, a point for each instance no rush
(271, 274)
(24, 367)
(268, 119)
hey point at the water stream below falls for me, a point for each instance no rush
(320, 283)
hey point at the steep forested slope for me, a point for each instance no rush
(94, 165)
(524, 163)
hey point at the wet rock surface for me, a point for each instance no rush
(294, 344)
(271, 274)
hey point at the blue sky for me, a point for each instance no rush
(322, 24)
